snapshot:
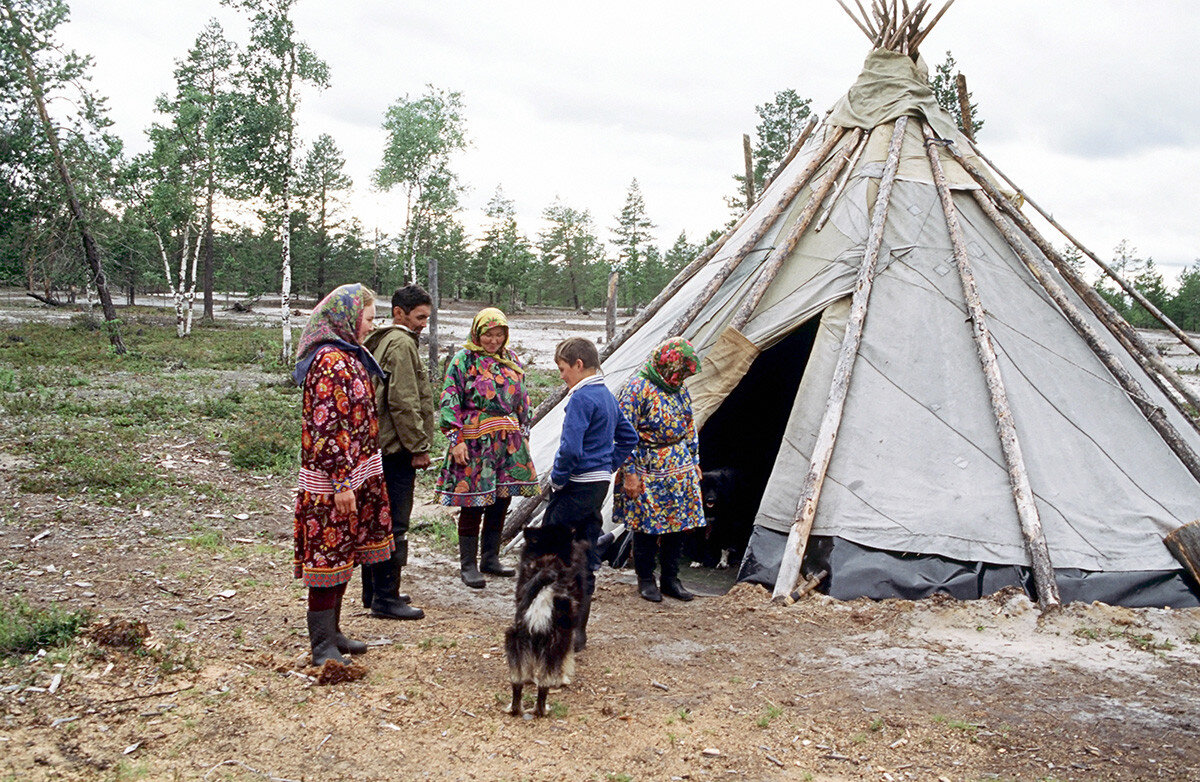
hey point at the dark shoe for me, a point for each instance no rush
(489, 555)
(345, 645)
(671, 587)
(322, 635)
(388, 602)
(468, 549)
(649, 590)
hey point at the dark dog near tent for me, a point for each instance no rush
(540, 644)
(728, 516)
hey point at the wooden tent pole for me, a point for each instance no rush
(524, 512)
(783, 250)
(1152, 364)
(841, 185)
(1141, 351)
(1133, 292)
(1042, 272)
(785, 201)
(791, 153)
(647, 312)
(810, 493)
(1129, 338)
(1018, 477)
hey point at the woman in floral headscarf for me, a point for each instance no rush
(659, 496)
(342, 516)
(485, 416)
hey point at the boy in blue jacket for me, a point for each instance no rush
(596, 439)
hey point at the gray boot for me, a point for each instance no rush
(468, 550)
(489, 555)
(322, 635)
(388, 602)
(345, 645)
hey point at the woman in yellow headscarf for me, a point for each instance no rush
(485, 414)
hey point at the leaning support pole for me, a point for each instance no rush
(647, 312)
(792, 151)
(1041, 271)
(1018, 476)
(1127, 335)
(810, 492)
(783, 250)
(1133, 292)
(685, 320)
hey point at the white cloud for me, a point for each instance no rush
(1089, 104)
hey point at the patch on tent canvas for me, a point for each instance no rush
(723, 368)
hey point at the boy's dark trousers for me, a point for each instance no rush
(381, 582)
(577, 506)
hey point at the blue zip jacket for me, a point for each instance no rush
(596, 437)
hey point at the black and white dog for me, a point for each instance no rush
(540, 645)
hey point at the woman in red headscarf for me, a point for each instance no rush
(342, 516)
(658, 496)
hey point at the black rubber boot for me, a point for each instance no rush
(468, 550)
(322, 635)
(645, 548)
(345, 645)
(368, 586)
(668, 559)
(388, 603)
(489, 547)
(585, 612)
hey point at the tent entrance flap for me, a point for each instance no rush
(740, 438)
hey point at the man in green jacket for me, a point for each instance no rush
(405, 404)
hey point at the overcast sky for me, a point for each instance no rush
(1091, 105)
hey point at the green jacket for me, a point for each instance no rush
(405, 399)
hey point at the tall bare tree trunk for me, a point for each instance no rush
(285, 232)
(208, 253)
(90, 251)
(433, 316)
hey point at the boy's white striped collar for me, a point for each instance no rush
(587, 381)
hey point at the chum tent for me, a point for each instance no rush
(925, 394)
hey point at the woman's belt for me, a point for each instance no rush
(489, 425)
(317, 482)
(653, 444)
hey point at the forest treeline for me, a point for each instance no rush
(231, 196)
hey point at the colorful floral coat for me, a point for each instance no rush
(484, 404)
(667, 458)
(338, 451)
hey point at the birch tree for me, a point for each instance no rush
(274, 68)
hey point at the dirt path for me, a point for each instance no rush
(726, 687)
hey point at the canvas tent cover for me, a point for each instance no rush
(918, 466)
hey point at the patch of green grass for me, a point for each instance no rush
(683, 714)
(1086, 632)
(439, 532)
(1194, 638)
(24, 629)
(618, 776)
(540, 383)
(436, 642)
(557, 710)
(211, 540)
(770, 713)
(8, 380)
(875, 725)
(967, 727)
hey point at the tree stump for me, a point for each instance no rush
(1184, 544)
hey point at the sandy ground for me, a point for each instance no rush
(725, 687)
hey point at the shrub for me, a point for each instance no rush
(24, 629)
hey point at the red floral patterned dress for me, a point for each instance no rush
(339, 450)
